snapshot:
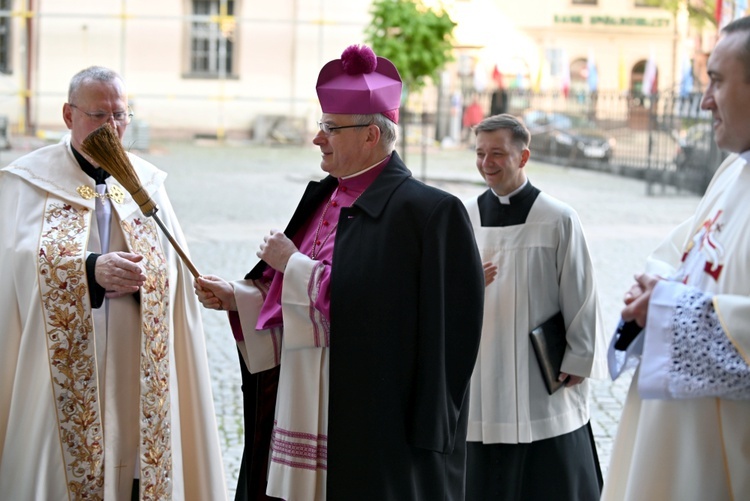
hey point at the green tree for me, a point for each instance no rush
(415, 38)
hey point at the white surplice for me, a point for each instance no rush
(543, 267)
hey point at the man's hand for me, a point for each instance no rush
(276, 250)
(490, 272)
(571, 379)
(638, 298)
(119, 273)
(215, 293)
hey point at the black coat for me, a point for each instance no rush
(407, 294)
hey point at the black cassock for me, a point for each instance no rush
(407, 295)
(560, 468)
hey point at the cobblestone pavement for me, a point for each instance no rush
(227, 196)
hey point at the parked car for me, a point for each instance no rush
(696, 148)
(567, 135)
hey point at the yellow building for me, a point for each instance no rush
(541, 44)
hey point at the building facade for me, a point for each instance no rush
(228, 67)
(582, 44)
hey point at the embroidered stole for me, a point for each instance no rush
(71, 348)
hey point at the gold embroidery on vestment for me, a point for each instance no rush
(70, 344)
(71, 348)
(155, 446)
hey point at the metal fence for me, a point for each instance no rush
(664, 139)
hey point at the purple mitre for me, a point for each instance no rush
(360, 83)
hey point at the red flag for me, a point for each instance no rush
(497, 77)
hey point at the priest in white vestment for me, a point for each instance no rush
(105, 391)
(685, 430)
(525, 444)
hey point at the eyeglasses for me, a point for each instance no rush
(327, 129)
(121, 117)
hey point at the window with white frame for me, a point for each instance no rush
(212, 38)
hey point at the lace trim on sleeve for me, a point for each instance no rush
(704, 362)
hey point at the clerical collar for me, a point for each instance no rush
(505, 199)
(381, 162)
(96, 173)
(358, 183)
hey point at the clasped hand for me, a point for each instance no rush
(119, 273)
(638, 297)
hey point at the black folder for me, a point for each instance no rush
(549, 344)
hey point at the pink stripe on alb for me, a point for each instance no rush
(299, 450)
(320, 326)
(301, 466)
(298, 434)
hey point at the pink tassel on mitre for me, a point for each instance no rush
(358, 59)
